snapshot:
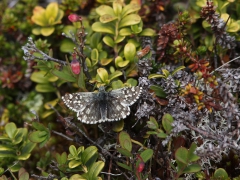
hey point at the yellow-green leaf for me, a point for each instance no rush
(107, 18)
(103, 74)
(130, 8)
(104, 9)
(51, 11)
(47, 31)
(104, 28)
(125, 32)
(108, 41)
(129, 51)
(106, 61)
(117, 7)
(148, 32)
(130, 20)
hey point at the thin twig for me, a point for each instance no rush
(225, 64)
(60, 134)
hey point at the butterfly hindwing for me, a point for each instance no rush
(116, 110)
(90, 114)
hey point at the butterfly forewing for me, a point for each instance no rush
(78, 101)
(103, 106)
(128, 95)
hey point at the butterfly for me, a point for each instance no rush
(102, 106)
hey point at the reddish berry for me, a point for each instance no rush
(141, 166)
(73, 18)
(75, 65)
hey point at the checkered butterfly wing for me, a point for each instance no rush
(83, 103)
(103, 106)
(121, 99)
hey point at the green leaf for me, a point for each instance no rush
(47, 31)
(124, 152)
(115, 75)
(161, 134)
(23, 174)
(21, 132)
(146, 154)
(178, 69)
(130, 8)
(42, 77)
(192, 168)
(117, 84)
(51, 11)
(11, 130)
(117, 7)
(152, 123)
(103, 74)
(107, 18)
(151, 132)
(94, 55)
(67, 46)
(166, 72)
(182, 155)
(73, 150)
(65, 74)
(220, 173)
(7, 152)
(103, 54)
(124, 166)
(119, 62)
(148, 32)
(103, 9)
(77, 177)
(151, 76)
(104, 28)
(61, 159)
(118, 126)
(95, 170)
(233, 27)
(74, 163)
(167, 121)
(39, 16)
(106, 61)
(68, 29)
(95, 39)
(39, 126)
(88, 153)
(44, 88)
(191, 156)
(108, 41)
(130, 20)
(129, 51)
(125, 141)
(28, 147)
(36, 31)
(125, 32)
(119, 39)
(81, 81)
(37, 136)
(132, 82)
(158, 91)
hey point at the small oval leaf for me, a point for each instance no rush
(125, 141)
(130, 20)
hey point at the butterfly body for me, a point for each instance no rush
(102, 106)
